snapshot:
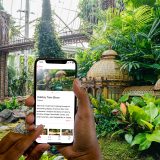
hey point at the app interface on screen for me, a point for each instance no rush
(55, 101)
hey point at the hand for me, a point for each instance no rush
(13, 145)
(85, 145)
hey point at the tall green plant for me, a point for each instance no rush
(139, 53)
(134, 35)
(47, 45)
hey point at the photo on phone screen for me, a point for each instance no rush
(55, 100)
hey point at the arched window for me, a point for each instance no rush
(90, 91)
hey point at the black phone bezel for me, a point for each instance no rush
(57, 61)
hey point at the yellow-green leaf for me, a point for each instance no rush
(149, 125)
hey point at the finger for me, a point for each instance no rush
(81, 94)
(9, 140)
(30, 119)
(29, 101)
(84, 120)
(31, 127)
(37, 152)
(23, 144)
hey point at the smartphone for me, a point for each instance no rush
(55, 102)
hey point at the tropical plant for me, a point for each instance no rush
(134, 35)
(47, 43)
(106, 111)
(139, 54)
(137, 118)
(141, 119)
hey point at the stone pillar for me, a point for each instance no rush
(3, 76)
(4, 38)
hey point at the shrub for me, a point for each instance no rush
(141, 123)
(105, 111)
(135, 118)
(9, 104)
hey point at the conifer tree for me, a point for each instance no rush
(47, 45)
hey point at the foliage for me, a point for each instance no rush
(137, 118)
(9, 104)
(47, 43)
(19, 82)
(142, 121)
(137, 3)
(85, 59)
(143, 54)
(134, 35)
(13, 30)
(17, 85)
(88, 12)
(43, 157)
(105, 115)
(11, 73)
(29, 75)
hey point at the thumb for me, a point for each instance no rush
(82, 96)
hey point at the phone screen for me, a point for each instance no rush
(55, 100)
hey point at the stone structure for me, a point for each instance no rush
(141, 90)
(105, 77)
(4, 37)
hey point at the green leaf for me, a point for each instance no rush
(138, 139)
(151, 110)
(144, 145)
(124, 98)
(137, 114)
(128, 138)
(138, 101)
(157, 101)
(155, 136)
(157, 120)
(117, 133)
(148, 98)
(112, 103)
(149, 125)
(104, 133)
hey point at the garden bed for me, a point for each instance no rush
(119, 149)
